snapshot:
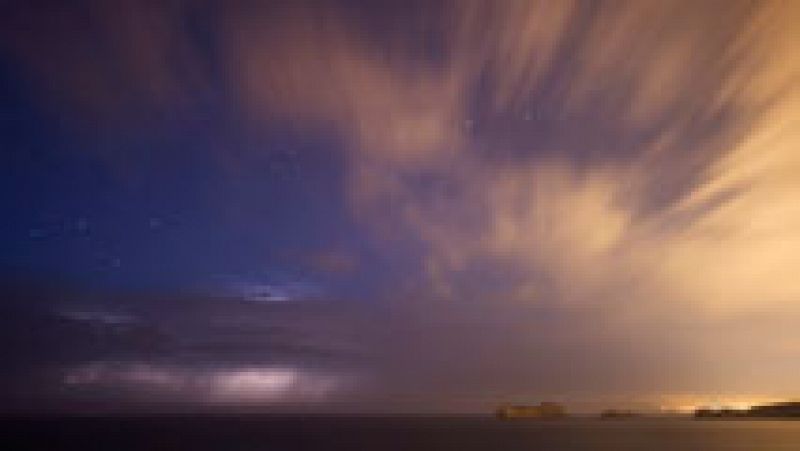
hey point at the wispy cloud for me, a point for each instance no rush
(262, 385)
(633, 159)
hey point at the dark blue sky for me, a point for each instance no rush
(161, 204)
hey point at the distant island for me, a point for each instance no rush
(777, 410)
(543, 410)
(611, 414)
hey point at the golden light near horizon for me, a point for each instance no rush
(689, 403)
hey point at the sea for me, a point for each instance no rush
(407, 433)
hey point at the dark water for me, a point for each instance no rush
(396, 433)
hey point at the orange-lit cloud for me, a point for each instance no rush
(615, 147)
(639, 155)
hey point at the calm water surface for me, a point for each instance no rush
(398, 433)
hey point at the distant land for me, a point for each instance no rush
(776, 410)
(542, 410)
(549, 410)
(618, 414)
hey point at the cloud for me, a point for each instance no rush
(100, 317)
(633, 159)
(260, 385)
(311, 64)
(272, 288)
(129, 59)
(633, 176)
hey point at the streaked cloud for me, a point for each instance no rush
(132, 59)
(183, 384)
(636, 160)
(101, 317)
(269, 288)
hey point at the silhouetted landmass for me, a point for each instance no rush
(784, 410)
(618, 414)
(542, 410)
(778, 410)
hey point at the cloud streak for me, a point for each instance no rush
(633, 159)
(258, 385)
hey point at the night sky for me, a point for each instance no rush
(411, 206)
